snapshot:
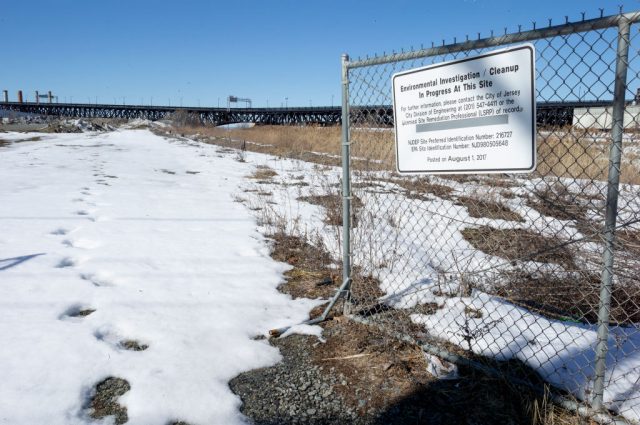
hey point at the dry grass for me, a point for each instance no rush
(628, 240)
(558, 202)
(312, 275)
(375, 149)
(365, 290)
(263, 172)
(462, 178)
(278, 140)
(488, 208)
(563, 154)
(519, 245)
(376, 368)
(567, 152)
(419, 187)
(332, 204)
(391, 376)
(570, 296)
(502, 182)
(571, 153)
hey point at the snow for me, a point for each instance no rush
(145, 231)
(562, 353)
(302, 329)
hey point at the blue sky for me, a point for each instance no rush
(198, 52)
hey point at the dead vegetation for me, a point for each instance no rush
(313, 274)
(517, 245)
(564, 154)
(365, 289)
(386, 375)
(488, 208)
(379, 369)
(309, 143)
(578, 153)
(263, 172)
(570, 296)
(555, 200)
(332, 204)
(421, 187)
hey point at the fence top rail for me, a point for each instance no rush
(520, 36)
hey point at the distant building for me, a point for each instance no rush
(601, 118)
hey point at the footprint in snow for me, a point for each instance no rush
(60, 231)
(103, 400)
(66, 262)
(115, 338)
(77, 311)
(97, 279)
(81, 243)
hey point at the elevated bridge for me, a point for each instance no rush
(215, 116)
(549, 113)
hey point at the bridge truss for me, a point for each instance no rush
(550, 113)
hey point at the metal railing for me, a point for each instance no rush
(536, 274)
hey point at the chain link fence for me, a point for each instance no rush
(537, 275)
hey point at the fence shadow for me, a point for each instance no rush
(7, 263)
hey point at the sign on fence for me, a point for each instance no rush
(473, 115)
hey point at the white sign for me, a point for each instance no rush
(474, 115)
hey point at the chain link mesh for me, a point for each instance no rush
(508, 268)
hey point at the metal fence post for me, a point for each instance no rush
(622, 60)
(346, 184)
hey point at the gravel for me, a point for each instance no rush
(294, 391)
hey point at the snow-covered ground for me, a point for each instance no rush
(145, 232)
(149, 233)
